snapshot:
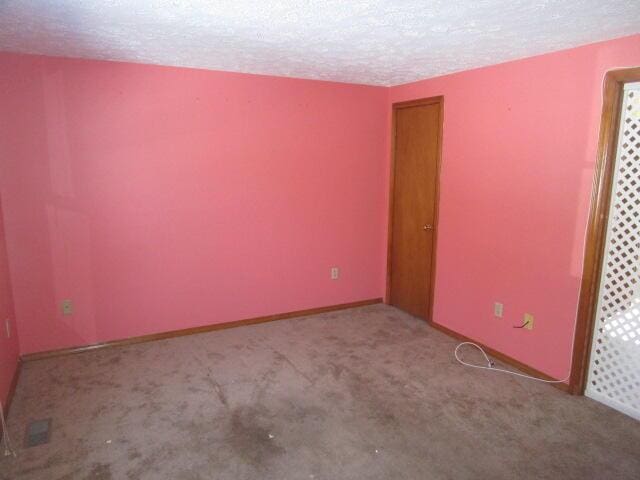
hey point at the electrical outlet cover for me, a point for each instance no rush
(67, 307)
(498, 309)
(528, 320)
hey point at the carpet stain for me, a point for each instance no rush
(133, 454)
(251, 437)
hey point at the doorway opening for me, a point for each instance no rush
(606, 354)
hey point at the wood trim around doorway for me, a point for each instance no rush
(614, 81)
(439, 100)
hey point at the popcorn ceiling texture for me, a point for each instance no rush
(378, 42)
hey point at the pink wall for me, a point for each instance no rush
(8, 345)
(518, 155)
(163, 198)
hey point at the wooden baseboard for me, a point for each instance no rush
(195, 330)
(12, 391)
(528, 370)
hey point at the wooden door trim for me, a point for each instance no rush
(614, 81)
(394, 108)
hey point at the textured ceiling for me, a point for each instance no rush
(380, 42)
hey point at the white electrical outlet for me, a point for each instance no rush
(67, 307)
(7, 325)
(335, 273)
(498, 309)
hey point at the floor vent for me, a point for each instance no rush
(38, 432)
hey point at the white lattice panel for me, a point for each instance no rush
(614, 373)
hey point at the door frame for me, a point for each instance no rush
(439, 100)
(598, 221)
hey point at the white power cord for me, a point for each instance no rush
(495, 369)
(8, 451)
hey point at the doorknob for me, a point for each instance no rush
(428, 226)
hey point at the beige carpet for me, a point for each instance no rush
(367, 393)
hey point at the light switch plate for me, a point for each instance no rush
(498, 309)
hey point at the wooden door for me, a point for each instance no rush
(417, 130)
